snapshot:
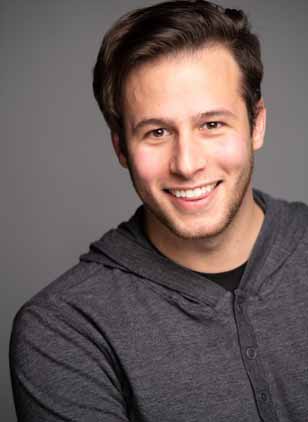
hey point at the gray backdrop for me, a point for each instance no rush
(61, 186)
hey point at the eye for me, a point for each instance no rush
(158, 133)
(212, 125)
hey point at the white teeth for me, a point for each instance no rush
(198, 192)
(192, 193)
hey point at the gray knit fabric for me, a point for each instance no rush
(128, 335)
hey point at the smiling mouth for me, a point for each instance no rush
(194, 194)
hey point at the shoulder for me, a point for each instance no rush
(74, 319)
(83, 276)
(295, 211)
(60, 350)
(290, 220)
(75, 303)
(285, 226)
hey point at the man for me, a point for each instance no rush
(194, 309)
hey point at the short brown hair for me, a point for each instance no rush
(168, 28)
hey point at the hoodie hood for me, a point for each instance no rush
(128, 249)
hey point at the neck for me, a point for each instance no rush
(220, 253)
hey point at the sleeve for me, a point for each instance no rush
(60, 372)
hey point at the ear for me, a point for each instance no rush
(116, 142)
(260, 125)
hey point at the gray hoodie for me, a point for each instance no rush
(128, 335)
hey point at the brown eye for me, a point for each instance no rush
(157, 133)
(212, 125)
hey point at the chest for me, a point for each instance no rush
(186, 361)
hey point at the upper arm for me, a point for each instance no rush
(61, 373)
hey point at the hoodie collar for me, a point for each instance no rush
(127, 248)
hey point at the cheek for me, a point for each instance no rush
(233, 153)
(149, 163)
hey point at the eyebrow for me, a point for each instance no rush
(168, 122)
(222, 112)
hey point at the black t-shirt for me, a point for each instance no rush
(230, 280)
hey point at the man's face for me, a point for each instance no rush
(189, 144)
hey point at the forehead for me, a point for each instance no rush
(209, 77)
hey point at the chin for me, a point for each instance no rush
(197, 228)
(202, 230)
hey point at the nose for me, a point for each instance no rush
(188, 157)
